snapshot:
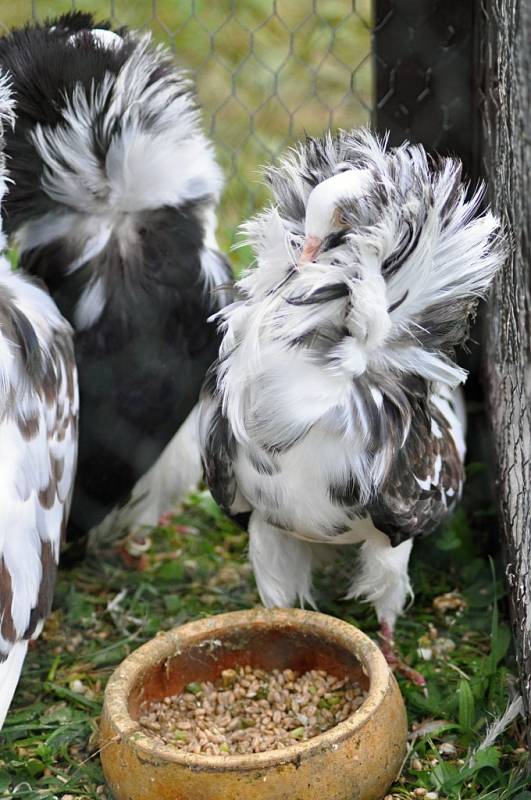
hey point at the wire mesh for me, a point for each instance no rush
(267, 72)
(425, 87)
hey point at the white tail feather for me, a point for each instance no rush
(10, 670)
(499, 725)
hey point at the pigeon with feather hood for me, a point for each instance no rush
(38, 442)
(113, 206)
(333, 415)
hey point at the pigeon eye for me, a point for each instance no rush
(342, 219)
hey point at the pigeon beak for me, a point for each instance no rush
(310, 250)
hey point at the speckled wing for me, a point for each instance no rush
(38, 444)
(218, 448)
(426, 478)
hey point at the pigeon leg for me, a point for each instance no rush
(382, 579)
(133, 551)
(393, 658)
(282, 565)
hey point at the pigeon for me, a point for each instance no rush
(333, 414)
(113, 206)
(38, 442)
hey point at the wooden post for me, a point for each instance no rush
(506, 43)
(454, 75)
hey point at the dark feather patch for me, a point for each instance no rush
(289, 274)
(345, 493)
(325, 294)
(58, 467)
(47, 495)
(404, 508)
(334, 240)
(26, 338)
(7, 628)
(45, 596)
(73, 22)
(217, 461)
(28, 427)
(403, 249)
(397, 303)
(262, 462)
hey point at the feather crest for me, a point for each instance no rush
(377, 316)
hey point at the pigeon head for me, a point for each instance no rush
(326, 222)
(99, 36)
(393, 253)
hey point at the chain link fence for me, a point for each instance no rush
(426, 86)
(267, 73)
(270, 71)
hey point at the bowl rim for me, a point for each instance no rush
(168, 643)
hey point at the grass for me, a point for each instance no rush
(197, 566)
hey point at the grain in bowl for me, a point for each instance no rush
(250, 710)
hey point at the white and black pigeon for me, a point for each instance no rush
(38, 442)
(333, 415)
(113, 206)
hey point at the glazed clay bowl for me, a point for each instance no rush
(356, 760)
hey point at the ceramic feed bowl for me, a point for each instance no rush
(356, 760)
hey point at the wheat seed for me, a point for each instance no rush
(250, 711)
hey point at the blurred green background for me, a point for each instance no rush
(267, 73)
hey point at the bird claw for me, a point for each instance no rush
(137, 544)
(397, 664)
(133, 550)
(137, 563)
(410, 674)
